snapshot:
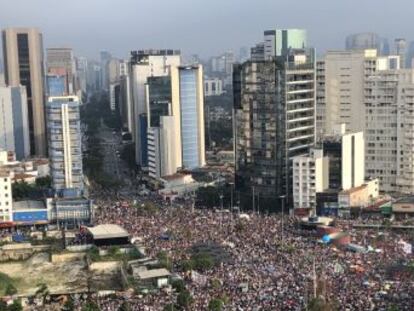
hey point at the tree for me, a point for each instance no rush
(15, 306)
(69, 305)
(90, 306)
(178, 285)
(170, 307)
(125, 306)
(44, 182)
(215, 305)
(184, 299)
(318, 304)
(202, 261)
(42, 291)
(3, 305)
(10, 290)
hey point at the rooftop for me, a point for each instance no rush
(352, 190)
(152, 274)
(407, 200)
(108, 231)
(28, 205)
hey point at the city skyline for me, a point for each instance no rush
(129, 26)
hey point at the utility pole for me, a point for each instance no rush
(253, 199)
(282, 197)
(314, 277)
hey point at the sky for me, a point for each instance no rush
(204, 27)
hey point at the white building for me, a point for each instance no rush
(390, 125)
(213, 87)
(175, 119)
(6, 202)
(64, 137)
(310, 175)
(145, 64)
(341, 77)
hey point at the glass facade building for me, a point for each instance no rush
(189, 117)
(56, 85)
(64, 137)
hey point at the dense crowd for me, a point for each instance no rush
(276, 267)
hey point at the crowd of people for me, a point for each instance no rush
(272, 266)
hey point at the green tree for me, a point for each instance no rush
(69, 305)
(170, 307)
(10, 290)
(202, 261)
(90, 306)
(125, 306)
(184, 299)
(44, 182)
(178, 285)
(15, 306)
(42, 291)
(215, 305)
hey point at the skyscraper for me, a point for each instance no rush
(191, 98)
(400, 49)
(14, 128)
(144, 64)
(277, 42)
(64, 135)
(363, 41)
(341, 76)
(23, 56)
(61, 62)
(274, 121)
(175, 118)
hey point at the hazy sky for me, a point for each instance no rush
(205, 27)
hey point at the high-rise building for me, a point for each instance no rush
(191, 103)
(400, 49)
(278, 42)
(64, 135)
(175, 119)
(23, 56)
(363, 41)
(125, 101)
(274, 121)
(341, 77)
(144, 64)
(61, 62)
(310, 176)
(105, 57)
(14, 128)
(389, 104)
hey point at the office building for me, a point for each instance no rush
(363, 41)
(213, 87)
(144, 64)
(61, 62)
(64, 135)
(274, 121)
(341, 77)
(56, 85)
(310, 176)
(257, 52)
(389, 102)
(278, 42)
(400, 49)
(125, 97)
(175, 119)
(23, 62)
(353, 160)
(14, 128)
